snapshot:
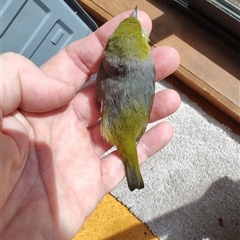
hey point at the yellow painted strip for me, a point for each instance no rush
(113, 221)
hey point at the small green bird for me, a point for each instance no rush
(125, 88)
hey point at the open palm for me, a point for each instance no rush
(52, 173)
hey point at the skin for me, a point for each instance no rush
(51, 174)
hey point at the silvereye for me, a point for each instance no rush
(125, 88)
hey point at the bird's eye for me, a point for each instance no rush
(145, 34)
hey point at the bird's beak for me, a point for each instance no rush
(134, 14)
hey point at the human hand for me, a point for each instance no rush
(52, 176)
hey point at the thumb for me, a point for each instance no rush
(23, 85)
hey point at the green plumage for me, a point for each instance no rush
(125, 87)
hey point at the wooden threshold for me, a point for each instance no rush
(208, 65)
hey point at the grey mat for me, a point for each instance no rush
(192, 186)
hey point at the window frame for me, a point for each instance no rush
(211, 16)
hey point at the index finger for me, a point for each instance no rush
(79, 60)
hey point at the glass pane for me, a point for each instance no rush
(235, 2)
(231, 7)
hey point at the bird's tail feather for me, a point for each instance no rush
(134, 177)
(128, 151)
